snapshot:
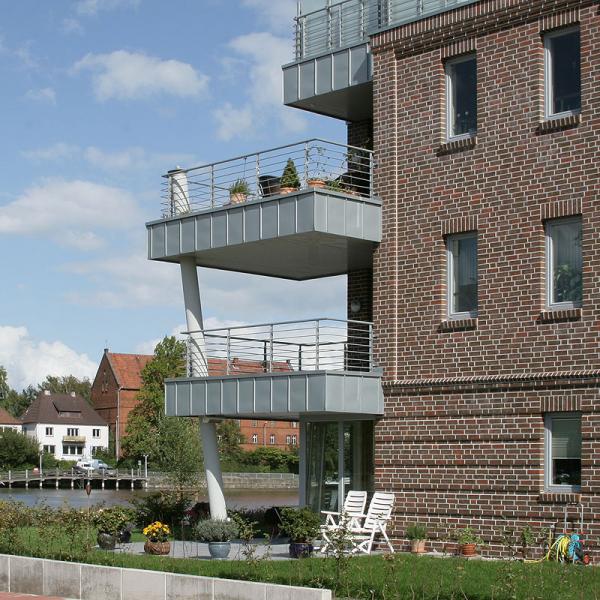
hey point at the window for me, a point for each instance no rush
(288, 439)
(254, 438)
(272, 439)
(461, 97)
(254, 423)
(562, 72)
(295, 424)
(294, 440)
(96, 433)
(563, 263)
(462, 275)
(49, 431)
(73, 431)
(563, 451)
(49, 449)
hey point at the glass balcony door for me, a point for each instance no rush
(339, 458)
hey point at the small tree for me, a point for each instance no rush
(17, 450)
(289, 177)
(66, 385)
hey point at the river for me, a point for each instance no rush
(79, 499)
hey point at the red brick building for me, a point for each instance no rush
(118, 381)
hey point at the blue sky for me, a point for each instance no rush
(99, 98)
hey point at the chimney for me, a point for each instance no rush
(46, 392)
(73, 394)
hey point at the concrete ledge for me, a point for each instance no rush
(79, 581)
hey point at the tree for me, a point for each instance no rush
(172, 443)
(66, 385)
(230, 438)
(17, 450)
(4, 389)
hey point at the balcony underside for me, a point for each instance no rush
(337, 85)
(303, 235)
(277, 396)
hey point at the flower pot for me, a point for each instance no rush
(106, 541)
(158, 548)
(238, 198)
(417, 546)
(219, 549)
(468, 549)
(316, 182)
(300, 549)
(287, 190)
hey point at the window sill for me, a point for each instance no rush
(559, 123)
(560, 315)
(458, 324)
(457, 145)
(566, 497)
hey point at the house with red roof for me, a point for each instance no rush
(7, 421)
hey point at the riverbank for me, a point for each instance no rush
(235, 481)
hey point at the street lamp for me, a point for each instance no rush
(41, 453)
(145, 466)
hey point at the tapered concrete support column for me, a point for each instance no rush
(199, 368)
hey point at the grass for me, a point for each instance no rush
(383, 577)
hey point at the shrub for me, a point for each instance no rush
(166, 507)
(289, 177)
(416, 531)
(301, 524)
(211, 530)
(112, 520)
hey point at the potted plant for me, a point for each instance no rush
(157, 541)
(302, 525)
(417, 534)
(334, 184)
(290, 181)
(238, 191)
(316, 182)
(218, 534)
(467, 540)
(111, 523)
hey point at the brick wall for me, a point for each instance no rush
(457, 454)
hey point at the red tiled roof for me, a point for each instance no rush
(218, 366)
(8, 419)
(128, 368)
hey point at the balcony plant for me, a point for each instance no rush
(218, 535)
(157, 541)
(302, 525)
(112, 524)
(417, 534)
(468, 540)
(290, 181)
(238, 191)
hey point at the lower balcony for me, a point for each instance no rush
(302, 370)
(299, 212)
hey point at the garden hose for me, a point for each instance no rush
(565, 549)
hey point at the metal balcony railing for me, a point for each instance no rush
(312, 345)
(352, 22)
(311, 163)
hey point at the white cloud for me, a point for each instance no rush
(58, 151)
(42, 95)
(279, 15)
(69, 212)
(72, 26)
(123, 75)
(93, 7)
(29, 361)
(260, 56)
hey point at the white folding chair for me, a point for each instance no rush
(362, 535)
(354, 507)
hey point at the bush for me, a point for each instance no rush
(165, 507)
(416, 531)
(264, 460)
(301, 524)
(113, 520)
(17, 451)
(211, 530)
(289, 177)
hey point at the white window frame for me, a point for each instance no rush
(95, 433)
(450, 137)
(254, 438)
(549, 225)
(548, 485)
(548, 83)
(49, 431)
(451, 314)
(272, 439)
(294, 440)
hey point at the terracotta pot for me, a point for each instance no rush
(417, 546)
(238, 198)
(159, 548)
(468, 549)
(316, 182)
(287, 190)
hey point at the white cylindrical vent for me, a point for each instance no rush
(178, 191)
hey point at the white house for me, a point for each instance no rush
(65, 426)
(7, 421)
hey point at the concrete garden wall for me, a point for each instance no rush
(92, 582)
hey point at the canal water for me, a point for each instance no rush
(79, 499)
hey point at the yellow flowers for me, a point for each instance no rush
(157, 531)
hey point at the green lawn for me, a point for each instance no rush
(399, 576)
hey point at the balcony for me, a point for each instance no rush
(331, 73)
(299, 211)
(288, 370)
(73, 439)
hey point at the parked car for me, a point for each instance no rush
(88, 467)
(84, 466)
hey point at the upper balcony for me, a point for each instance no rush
(331, 73)
(299, 211)
(287, 370)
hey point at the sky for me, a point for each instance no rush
(99, 98)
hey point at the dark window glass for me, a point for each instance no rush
(565, 74)
(566, 266)
(462, 104)
(463, 282)
(566, 451)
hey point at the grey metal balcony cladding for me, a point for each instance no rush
(276, 395)
(332, 73)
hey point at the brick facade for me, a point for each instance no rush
(462, 440)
